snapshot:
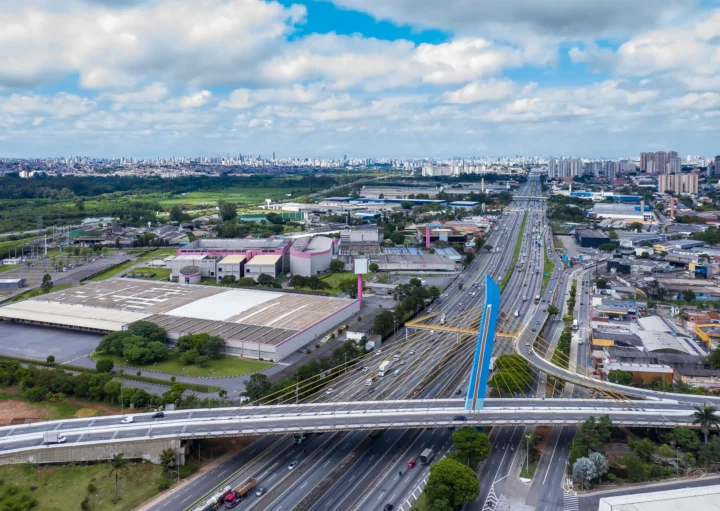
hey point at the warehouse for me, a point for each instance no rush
(11, 284)
(425, 262)
(206, 263)
(233, 265)
(267, 264)
(590, 238)
(626, 212)
(310, 256)
(254, 324)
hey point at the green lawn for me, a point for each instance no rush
(160, 253)
(549, 268)
(516, 254)
(421, 504)
(160, 273)
(8, 267)
(37, 292)
(234, 195)
(227, 366)
(64, 488)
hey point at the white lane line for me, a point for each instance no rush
(552, 456)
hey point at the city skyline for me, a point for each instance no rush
(154, 78)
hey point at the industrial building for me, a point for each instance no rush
(11, 284)
(439, 232)
(233, 265)
(207, 264)
(246, 247)
(269, 264)
(254, 324)
(425, 262)
(699, 498)
(310, 256)
(397, 192)
(627, 212)
(590, 238)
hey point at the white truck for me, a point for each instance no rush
(575, 324)
(52, 437)
(384, 368)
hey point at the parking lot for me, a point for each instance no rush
(35, 342)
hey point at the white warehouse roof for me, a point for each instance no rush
(73, 315)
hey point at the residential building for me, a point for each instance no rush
(678, 183)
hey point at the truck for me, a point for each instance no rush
(492, 364)
(575, 324)
(370, 380)
(300, 437)
(213, 502)
(442, 319)
(384, 368)
(426, 456)
(236, 496)
(53, 437)
(537, 298)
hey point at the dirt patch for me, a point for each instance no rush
(86, 412)
(543, 432)
(13, 411)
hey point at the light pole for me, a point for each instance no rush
(527, 454)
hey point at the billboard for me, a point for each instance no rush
(361, 266)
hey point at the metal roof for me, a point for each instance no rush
(72, 315)
(264, 259)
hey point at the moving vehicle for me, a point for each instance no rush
(537, 270)
(261, 491)
(158, 415)
(370, 380)
(293, 464)
(214, 501)
(575, 324)
(388, 507)
(411, 464)
(330, 390)
(236, 496)
(127, 420)
(384, 368)
(442, 319)
(537, 298)
(460, 418)
(53, 437)
(516, 313)
(426, 456)
(299, 438)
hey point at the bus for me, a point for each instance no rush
(384, 368)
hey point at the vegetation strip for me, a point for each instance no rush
(516, 254)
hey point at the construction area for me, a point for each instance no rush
(254, 324)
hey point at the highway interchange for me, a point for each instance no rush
(366, 470)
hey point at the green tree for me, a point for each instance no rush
(168, 459)
(604, 429)
(117, 464)
(266, 280)
(601, 463)
(552, 310)
(635, 226)
(104, 365)
(227, 280)
(688, 295)
(373, 267)
(112, 390)
(383, 323)
(479, 241)
(453, 482)
(47, 283)
(50, 359)
(607, 247)
(643, 448)
(257, 386)
(637, 470)
(584, 470)
(706, 418)
(148, 330)
(336, 266)
(589, 433)
(665, 451)
(176, 214)
(620, 377)
(470, 446)
(397, 238)
(713, 358)
(612, 235)
(227, 211)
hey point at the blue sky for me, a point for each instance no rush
(366, 78)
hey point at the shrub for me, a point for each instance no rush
(138, 372)
(35, 394)
(104, 365)
(202, 360)
(50, 359)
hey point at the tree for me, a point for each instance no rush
(612, 235)
(47, 283)
(373, 267)
(228, 280)
(637, 469)
(397, 238)
(607, 247)
(246, 282)
(266, 280)
(257, 387)
(584, 470)
(50, 359)
(227, 211)
(104, 365)
(601, 283)
(635, 226)
(620, 377)
(713, 358)
(706, 418)
(601, 463)
(604, 429)
(150, 331)
(168, 459)
(470, 446)
(348, 286)
(643, 448)
(384, 323)
(665, 451)
(453, 482)
(645, 255)
(469, 257)
(336, 266)
(589, 433)
(176, 214)
(406, 204)
(112, 390)
(688, 295)
(506, 381)
(478, 242)
(117, 463)
(552, 310)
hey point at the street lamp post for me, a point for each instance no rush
(527, 454)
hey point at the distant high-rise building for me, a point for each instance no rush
(644, 158)
(716, 171)
(678, 183)
(673, 165)
(661, 162)
(553, 168)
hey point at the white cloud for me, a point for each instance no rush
(480, 91)
(61, 105)
(196, 99)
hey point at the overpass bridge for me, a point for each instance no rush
(101, 437)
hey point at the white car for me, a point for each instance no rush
(127, 420)
(329, 391)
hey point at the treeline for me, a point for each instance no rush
(69, 187)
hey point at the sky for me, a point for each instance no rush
(362, 78)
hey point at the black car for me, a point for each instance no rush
(158, 415)
(388, 507)
(461, 418)
(458, 392)
(371, 390)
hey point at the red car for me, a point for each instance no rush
(411, 464)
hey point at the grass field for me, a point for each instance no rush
(8, 267)
(64, 488)
(228, 366)
(548, 269)
(233, 195)
(15, 405)
(37, 292)
(516, 254)
(160, 273)
(160, 253)
(422, 503)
